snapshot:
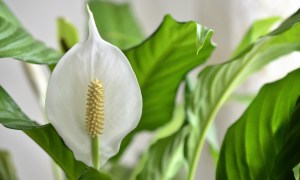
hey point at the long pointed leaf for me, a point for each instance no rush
(165, 156)
(216, 83)
(161, 63)
(264, 142)
(7, 168)
(16, 43)
(257, 29)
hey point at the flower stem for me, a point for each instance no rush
(95, 152)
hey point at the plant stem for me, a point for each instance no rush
(196, 155)
(95, 152)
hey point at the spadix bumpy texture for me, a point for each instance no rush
(95, 108)
(67, 97)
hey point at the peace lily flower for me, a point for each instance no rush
(93, 98)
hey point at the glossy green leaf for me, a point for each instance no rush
(298, 173)
(165, 156)
(287, 24)
(12, 117)
(161, 63)
(16, 43)
(7, 169)
(67, 34)
(264, 142)
(216, 83)
(213, 144)
(288, 156)
(116, 23)
(47, 138)
(7, 14)
(257, 29)
(296, 170)
(211, 139)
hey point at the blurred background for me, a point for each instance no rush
(229, 19)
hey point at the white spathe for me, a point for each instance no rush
(67, 96)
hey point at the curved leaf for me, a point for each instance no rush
(257, 29)
(8, 15)
(165, 156)
(7, 169)
(67, 34)
(264, 142)
(116, 23)
(16, 43)
(161, 63)
(50, 141)
(288, 156)
(12, 117)
(216, 83)
(296, 170)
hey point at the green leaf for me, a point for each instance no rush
(213, 144)
(161, 63)
(165, 155)
(8, 15)
(12, 117)
(16, 43)
(257, 29)
(264, 142)
(216, 83)
(116, 23)
(119, 171)
(93, 174)
(288, 156)
(7, 169)
(287, 24)
(67, 34)
(47, 138)
(211, 139)
(296, 171)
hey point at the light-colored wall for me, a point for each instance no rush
(229, 19)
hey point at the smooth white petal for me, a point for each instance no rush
(67, 93)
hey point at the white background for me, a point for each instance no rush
(228, 18)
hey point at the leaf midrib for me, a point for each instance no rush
(224, 95)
